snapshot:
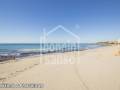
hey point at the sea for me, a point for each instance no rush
(22, 49)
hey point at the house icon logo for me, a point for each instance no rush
(46, 35)
(59, 47)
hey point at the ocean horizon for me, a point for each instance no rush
(26, 49)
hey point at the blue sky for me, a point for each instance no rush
(92, 20)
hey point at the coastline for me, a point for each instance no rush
(95, 69)
(22, 50)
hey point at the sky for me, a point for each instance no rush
(23, 21)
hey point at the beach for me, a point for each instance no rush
(92, 69)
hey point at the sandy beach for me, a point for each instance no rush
(93, 69)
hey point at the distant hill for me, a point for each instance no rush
(115, 42)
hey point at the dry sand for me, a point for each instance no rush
(95, 69)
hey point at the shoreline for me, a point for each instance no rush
(8, 57)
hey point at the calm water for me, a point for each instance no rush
(27, 49)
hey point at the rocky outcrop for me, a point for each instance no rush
(6, 58)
